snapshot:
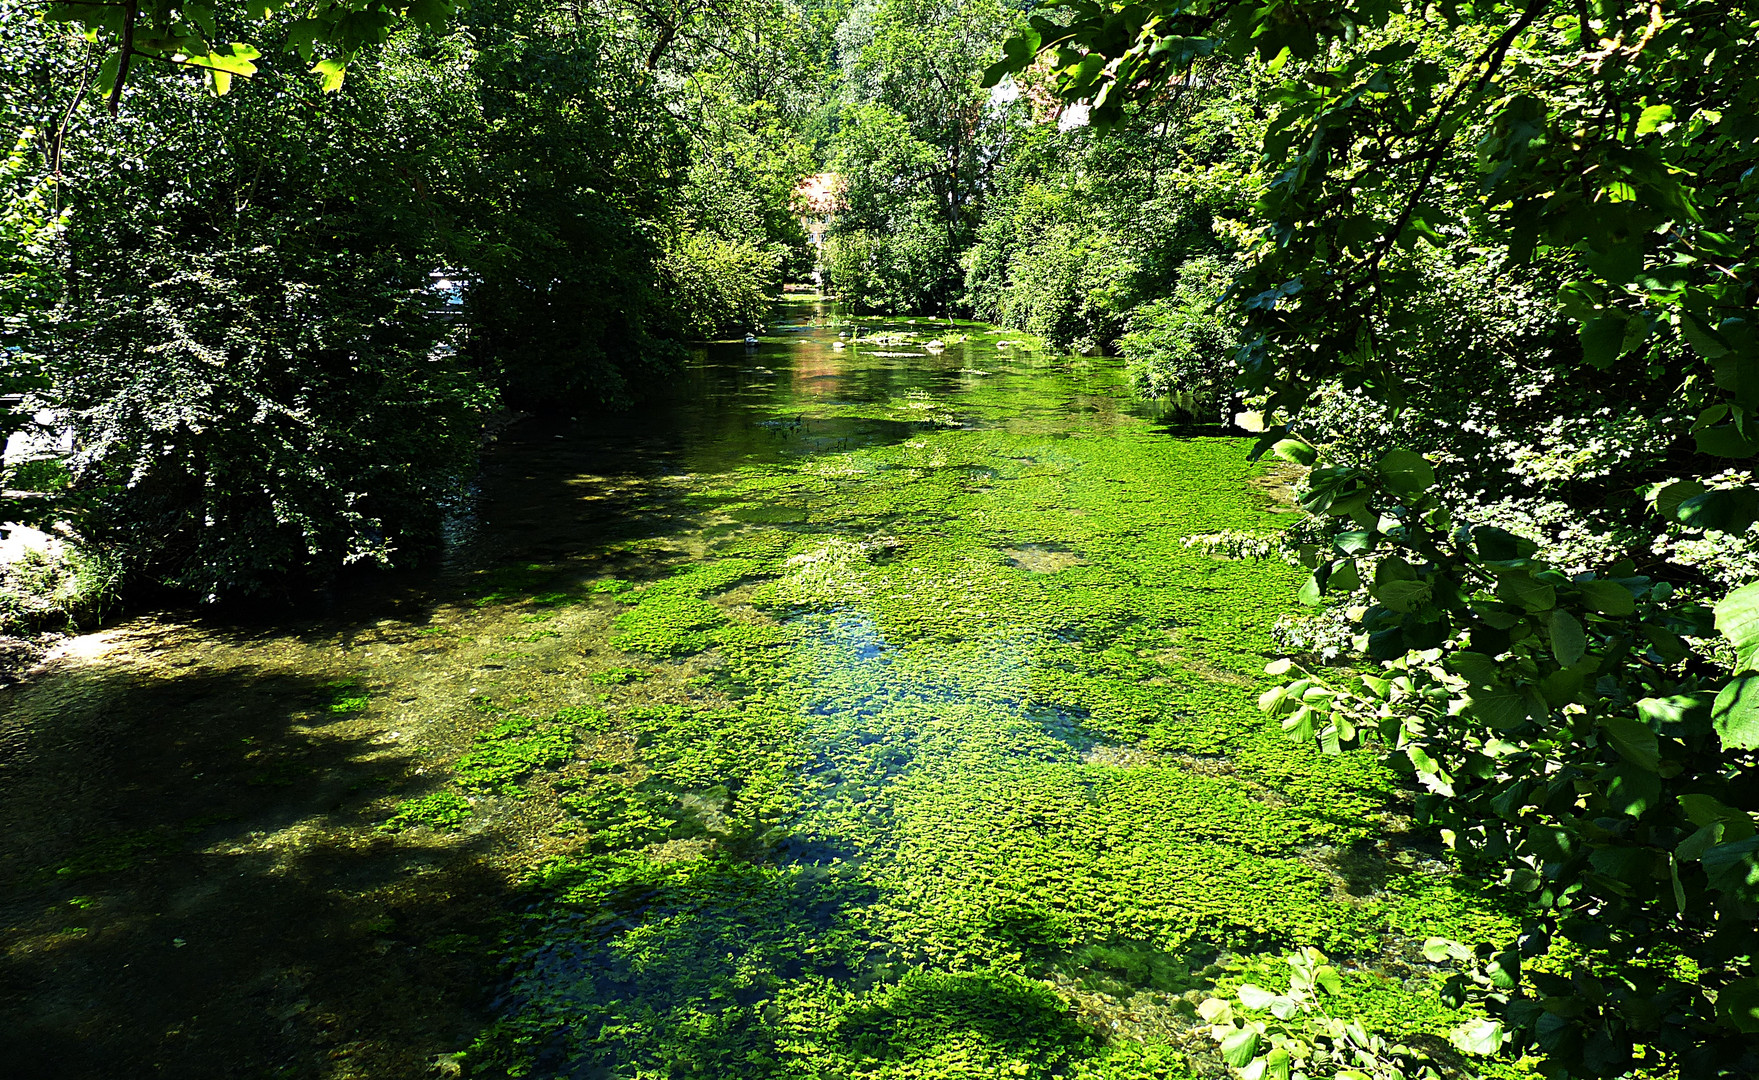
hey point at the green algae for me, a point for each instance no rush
(121, 852)
(950, 764)
(621, 676)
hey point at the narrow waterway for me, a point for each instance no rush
(858, 712)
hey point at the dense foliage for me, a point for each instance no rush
(1487, 268)
(235, 304)
(1582, 176)
(917, 140)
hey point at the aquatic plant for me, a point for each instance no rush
(437, 810)
(918, 781)
(516, 747)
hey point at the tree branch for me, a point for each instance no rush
(130, 14)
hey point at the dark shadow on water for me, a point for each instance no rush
(1022, 1017)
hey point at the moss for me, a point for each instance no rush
(124, 851)
(113, 854)
(344, 696)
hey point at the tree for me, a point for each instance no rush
(248, 355)
(917, 142)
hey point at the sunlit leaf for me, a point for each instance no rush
(332, 72)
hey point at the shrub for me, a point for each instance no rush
(1182, 347)
(719, 287)
(53, 583)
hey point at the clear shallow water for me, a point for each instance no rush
(855, 712)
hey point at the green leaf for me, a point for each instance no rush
(1733, 868)
(1634, 741)
(1403, 596)
(1299, 724)
(1425, 764)
(1500, 545)
(1504, 970)
(1550, 842)
(430, 13)
(1479, 1037)
(1737, 616)
(1675, 709)
(1522, 589)
(1701, 338)
(1608, 597)
(302, 35)
(1240, 1048)
(1255, 997)
(332, 72)
(1475, 667)
(1309, 592)
(1406, 472)
(1295, 450)
(1568, 643)
(1667, 499)
(1632, 791)
(1728, 510)
(1354, 542)
(1737, 1005)
(237, 60)
(1602, 340)
(1654, 118)
(1735, 713)
(202, 16)
(1725, 441)
(1705, 811)
(1499, 709)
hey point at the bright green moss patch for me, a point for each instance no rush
(344, 696)
(673, 617)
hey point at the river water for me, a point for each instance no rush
(855, 712)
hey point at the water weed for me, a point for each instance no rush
(438, 810)
(968, 766)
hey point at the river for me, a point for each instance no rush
(856, 712)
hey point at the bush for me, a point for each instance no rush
(1182, 347)
(719, 287)
(245, 420)
(1045, 263)
(53, 583)
(912, 269)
